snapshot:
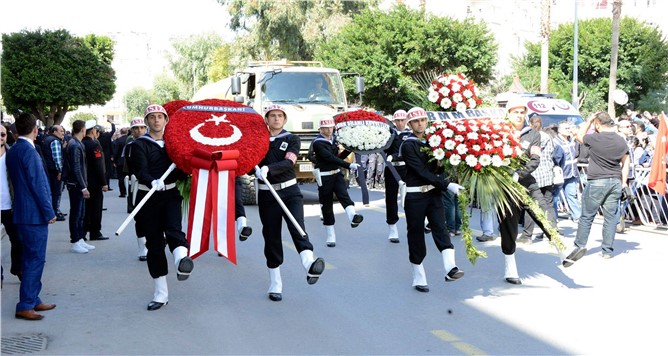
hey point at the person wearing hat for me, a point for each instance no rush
(516, 113)
(97, 182)
(160, 217)
(423, 200)
(329, 163)
(392, 182)
(607, 175)
(137, 129)
(277, 168)
(75, 178)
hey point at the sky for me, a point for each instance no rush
(80, 17)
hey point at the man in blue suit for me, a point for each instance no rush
(33, 212)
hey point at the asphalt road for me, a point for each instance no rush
(363, 304)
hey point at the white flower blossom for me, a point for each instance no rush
(475, 147)
(471, 160)
(471, 102)
(507, 150)
(459, 138)
(450, 145)
(461, 107)
(455, 87)
(467, 93)
(497, 161)
(462, 149)
(434, 140)
(446, 103)
(432, 96)
(455, 160)
(447, 133)
(472, 135)
(457, 98)
(445, 91)
(485, 160)
(439, 154)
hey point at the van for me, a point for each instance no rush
(551, 110)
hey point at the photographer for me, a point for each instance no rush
(606, 177)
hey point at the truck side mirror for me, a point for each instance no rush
(236, 85)
(359, 85)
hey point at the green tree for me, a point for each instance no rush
(222, 63)
(136, 100)
(83, 116)
(166, 88)
(50, 72)
(286, 28)
(390, 49)
(193, 58)
(642, 64)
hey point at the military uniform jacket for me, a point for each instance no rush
(327, 154)
(282, 148)
(530, 142)
(148, 161)
(95, 163)
(419, 170)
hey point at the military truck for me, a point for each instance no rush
(306, 89)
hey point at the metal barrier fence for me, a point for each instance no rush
(646, 207)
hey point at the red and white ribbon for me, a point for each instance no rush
(212, 203)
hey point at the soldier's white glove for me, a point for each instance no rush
(262, 172)
(354, 166)
(158, 184)
(455, 188)
(389, 158)
(516, 177)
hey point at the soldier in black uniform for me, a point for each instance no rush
(97, 183)
(330, 181)
(137, 130)
(391, 183)
(277, 167)
(508, 225)
(160, 217)
(423, 199)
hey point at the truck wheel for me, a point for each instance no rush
(248, 190)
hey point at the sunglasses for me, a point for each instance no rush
(2, 134)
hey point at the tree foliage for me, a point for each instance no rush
(83, 116)
(50, 72)
(642, 61)
(136, 100)
(390, 49)
(193, 59)
(289, 29)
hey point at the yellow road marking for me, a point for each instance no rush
(453, 339)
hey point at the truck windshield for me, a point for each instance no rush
(303, 88)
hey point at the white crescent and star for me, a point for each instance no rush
(215, 141)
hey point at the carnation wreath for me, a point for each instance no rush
(363, 131)
(482, 154)
(454, 92)
(215, 125)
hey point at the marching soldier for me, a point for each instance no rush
(423, 199)
(277, 168)
(160, 217)
(330, 179)
(137, 130)
(391, 183)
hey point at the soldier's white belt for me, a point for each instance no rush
(399, 163)
(329, 173)
(278, 186)
(420, 189)
(145, 188)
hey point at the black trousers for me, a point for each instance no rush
(272, 216)
(93, 213)
(334, 184)
(391, 194)
(543, 196)
(14, 241)
(56, 191)
(508, 227)
(417, 207)
(160, 220)
(239, 209)
(121, 181)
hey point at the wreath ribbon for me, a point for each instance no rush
(212, 203)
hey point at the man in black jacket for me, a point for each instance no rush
(105, 142)
(76, 181)
(52, 151)
(118, 160)
(97, 182)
